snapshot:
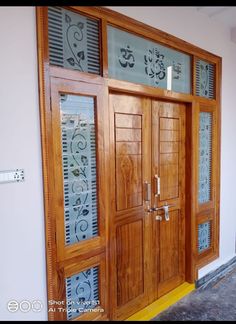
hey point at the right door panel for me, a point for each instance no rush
(168, 168)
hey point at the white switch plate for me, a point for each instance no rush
(12, 176)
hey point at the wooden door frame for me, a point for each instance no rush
(194, 261)
(120, 87)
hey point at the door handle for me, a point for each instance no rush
(147, 196)
(166, 211)
(158, 185)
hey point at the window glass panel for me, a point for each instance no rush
(205, 157)
(205, 79)
(73, 40)
(79, 167)
(204, 236)
(139, 60)
(82, 292)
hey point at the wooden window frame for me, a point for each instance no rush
(209, 210)
(196, 213)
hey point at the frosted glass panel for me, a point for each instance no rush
(73, 40)
(205, 156)
(82, 292)
(79, 167)
(204, 236)
(205, 79)
(139, 60)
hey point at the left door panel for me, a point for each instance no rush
(79, 198)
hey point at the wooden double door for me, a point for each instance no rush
(147, 187)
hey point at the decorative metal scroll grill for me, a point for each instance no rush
(139, 60)
(79, 167)
(73, 40)
(204, 236)
(82, 292)
(205, 79)
(205, 157)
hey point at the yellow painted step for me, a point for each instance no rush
(162, 303)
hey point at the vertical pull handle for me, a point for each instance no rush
(158, 185)
(147, 197)
(147, 191)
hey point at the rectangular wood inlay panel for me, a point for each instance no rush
(169, 157)
(128, 160)
(129, 241)
(169, 247)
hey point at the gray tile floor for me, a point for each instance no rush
(216, 302)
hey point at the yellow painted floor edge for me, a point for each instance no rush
(162, 303)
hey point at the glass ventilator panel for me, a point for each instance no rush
(82, 292)
(73, 40)
(205, 79)
(205, 157)
(204, 236)
(139, 60)
(79, 167)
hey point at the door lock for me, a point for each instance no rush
(147, 199)
(166, 211)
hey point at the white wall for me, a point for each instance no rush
(22, 271)
(201, 31)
